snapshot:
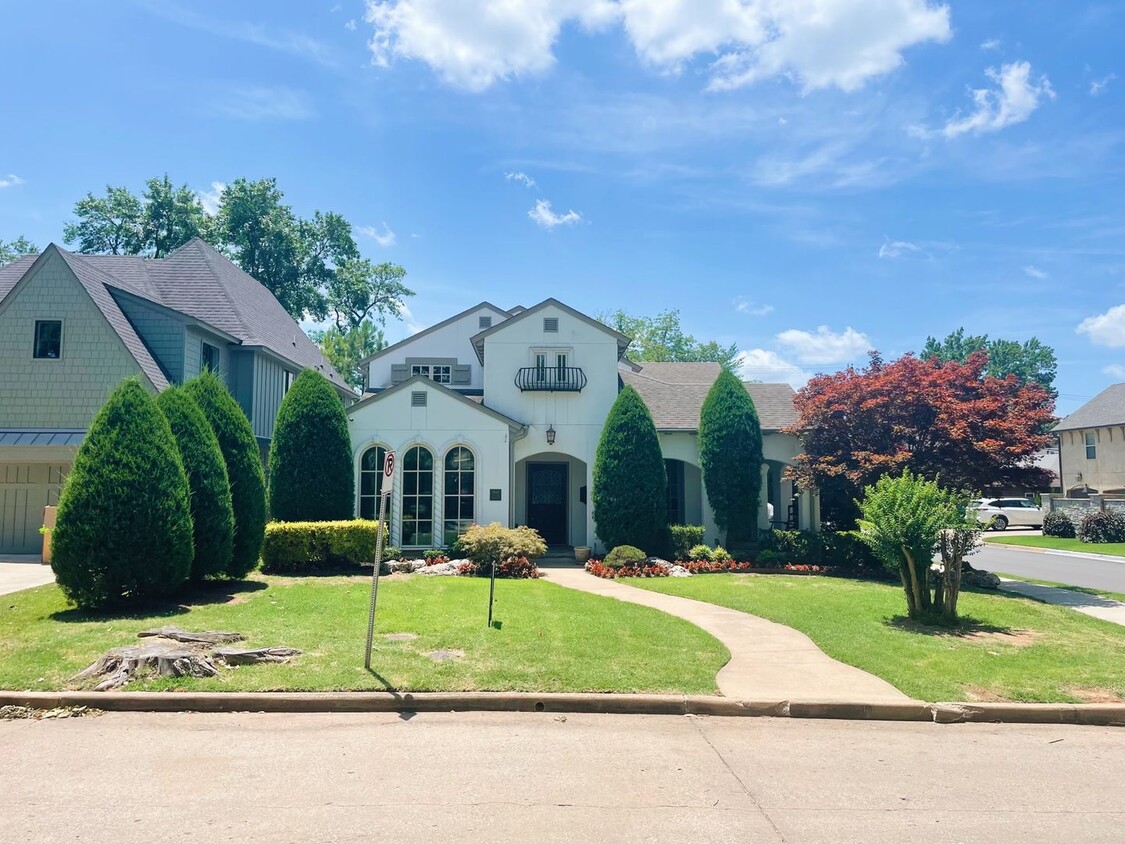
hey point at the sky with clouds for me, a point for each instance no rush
(808, 179)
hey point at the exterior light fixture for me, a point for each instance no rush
(551, 435)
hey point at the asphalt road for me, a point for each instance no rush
(507, 777)
(1075, 571)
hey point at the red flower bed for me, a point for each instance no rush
(517, 568)
(596, 568)
(609, 573)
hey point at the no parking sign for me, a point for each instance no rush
(388, 473)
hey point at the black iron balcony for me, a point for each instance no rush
(551, 379)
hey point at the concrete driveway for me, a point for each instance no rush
(15, 576)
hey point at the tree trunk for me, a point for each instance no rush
(918, 594)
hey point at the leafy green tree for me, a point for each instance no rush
(630, 483)
(212, 512)
(1030, 361)
(110, 224)
(124, 532)
(244, 468)
(17, 248)
(730, 454)
(312, 478)
(360, 291)
(171, 217)
(661, 338)
(345, 348)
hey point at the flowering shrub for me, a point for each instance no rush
(516, 568)
(598, 569)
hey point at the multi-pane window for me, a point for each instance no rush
(371, 483)
(443, 374)
(560, 366)
(48, 339)
(288, 380)
(418, 498)
(460, 493)
(1091, 446)
(209, 358)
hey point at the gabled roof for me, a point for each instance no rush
(478, 339)
(1104, 409)
(423, 381)
(774, 403)
(432, 329)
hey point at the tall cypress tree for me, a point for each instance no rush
(630, 482)
(311, 474)
(730, 453)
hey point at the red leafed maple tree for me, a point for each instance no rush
(944, 420)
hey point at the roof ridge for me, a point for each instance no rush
(206, 255)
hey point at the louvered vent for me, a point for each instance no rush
(551, 324)
(485, 322)
(418, 398)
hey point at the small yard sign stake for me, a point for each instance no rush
(385, 491)
(491, 592)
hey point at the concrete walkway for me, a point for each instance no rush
(17, 576)
(1092, 605)
(768, 661)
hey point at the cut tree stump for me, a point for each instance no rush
(178, 634)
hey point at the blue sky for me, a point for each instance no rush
(807, 180)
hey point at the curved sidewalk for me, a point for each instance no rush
(768, 661)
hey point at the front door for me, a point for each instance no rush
(546, 500)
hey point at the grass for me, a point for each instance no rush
(1010, 648)
(1085, 590)
(1057, 543)
(549, 639)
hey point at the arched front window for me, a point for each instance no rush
(371, 483)
(460, 492)
(418, 498)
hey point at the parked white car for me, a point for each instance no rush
(999, 513)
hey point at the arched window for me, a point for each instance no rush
(418, 498)
(460, 492)
(371, 483)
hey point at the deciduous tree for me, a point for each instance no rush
(1028, 361)
(345, 348)
(111, 224)
(16, 249)
(661, 338)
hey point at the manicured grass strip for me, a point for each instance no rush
(1085, 590)
(1016, 649)
(1056, 543)
(550, 639)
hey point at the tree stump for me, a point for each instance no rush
(178, 634)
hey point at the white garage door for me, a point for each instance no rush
(25, 489)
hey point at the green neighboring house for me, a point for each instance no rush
(73, 326)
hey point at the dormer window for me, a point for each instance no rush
(48, 339)
(442, 374)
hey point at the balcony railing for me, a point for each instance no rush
(551, 379)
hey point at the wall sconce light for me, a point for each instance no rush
(551, 435)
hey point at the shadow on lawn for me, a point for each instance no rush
(965, 626)
(194, 595)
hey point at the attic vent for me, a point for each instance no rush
(551, 324)
(418, 398)
(485, 322)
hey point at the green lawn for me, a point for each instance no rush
(550, 638)
(1099, 593)
(1018, 649)
(1116, 549)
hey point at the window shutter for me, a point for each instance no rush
(399, 373)
(418, 398)
(462, 373)
(551, 324)
(485, 322)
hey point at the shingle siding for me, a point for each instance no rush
(162, 333)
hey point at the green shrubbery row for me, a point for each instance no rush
(299, 547)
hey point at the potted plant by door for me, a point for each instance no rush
(581, 553)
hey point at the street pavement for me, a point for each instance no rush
(1075, 571)
(510, 777)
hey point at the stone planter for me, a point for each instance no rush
(581, 554)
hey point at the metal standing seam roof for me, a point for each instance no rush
(41, 437)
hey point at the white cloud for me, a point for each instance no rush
(264, 103)
(990, 44)
(764, 365)
(384, 238)
(522, 178)
(897, 248)
(1034, 271)
(548, 219)
(10, 181)
(412, 325)
(1114, 370)
(1098, 86)
(1106, 329)
(750, 307)
(350, 26)
(210, 199)
(825, 346)
(818, 43)
(1013, 101)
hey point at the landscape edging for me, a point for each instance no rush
(1089, 714)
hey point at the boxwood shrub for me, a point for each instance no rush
(307, 547)
(1058, 523)
(682, 538)
(624, 555)
(1102, 526)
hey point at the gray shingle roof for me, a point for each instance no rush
(674, 393)
(1106, 408)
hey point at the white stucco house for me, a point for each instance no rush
(495, 416)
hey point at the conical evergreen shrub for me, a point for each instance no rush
(244, 468)
(123, 533)
(630, 483)
(730, 454)
(212, 513)
(311, 474)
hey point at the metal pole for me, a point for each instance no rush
(491, 592)
(375, 578)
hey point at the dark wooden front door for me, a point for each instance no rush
(546, 500)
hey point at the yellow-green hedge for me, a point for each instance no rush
(297, 547)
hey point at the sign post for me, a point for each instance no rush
(385, 491)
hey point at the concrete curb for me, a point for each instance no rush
(1055, 552)
(1091, 714)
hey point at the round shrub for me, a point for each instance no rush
(311, 474)
(212, 514)
(624, 555)
(123, 533)
(701, 552)
(244, 468)
(1102, 526)
(720, 554)
(1058, 523)
(730, 454)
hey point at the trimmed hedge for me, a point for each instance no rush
(311, 474)
(730, 454)
(304, 547)
(682, 538)
(495, 543)
(1058, 523)
(123, 533)
(624, 555)
(212, 513)
(1102, 526)
(244, 468)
